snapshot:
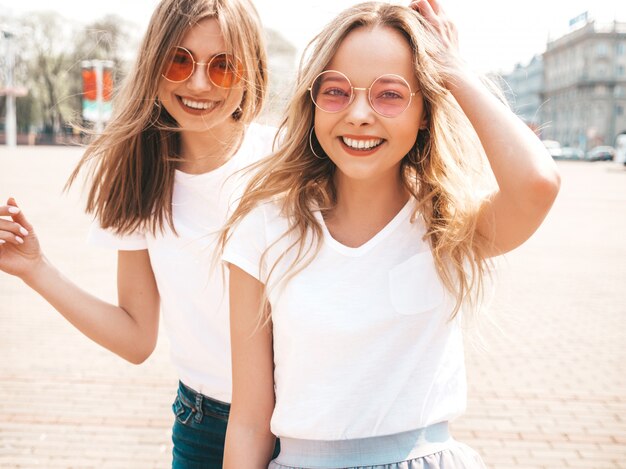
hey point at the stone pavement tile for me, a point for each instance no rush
(521, 465)
(595, 464)
(554, 369)
(46, 463)
(528, 445)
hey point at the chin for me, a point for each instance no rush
(202, 123)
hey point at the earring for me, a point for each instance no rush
(237, 114)
(311, 145)
(239, 111)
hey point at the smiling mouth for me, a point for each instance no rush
(193, 105)
(362, 144)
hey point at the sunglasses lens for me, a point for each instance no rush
(225, 70)
(390, 95)
(179, 65)
(331, 91)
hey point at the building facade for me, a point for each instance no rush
(584, 90)
(523, 89)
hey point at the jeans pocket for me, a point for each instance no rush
(181, 411)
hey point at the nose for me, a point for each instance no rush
(360, 111)
(199, 79)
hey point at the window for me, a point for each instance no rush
(601, 49)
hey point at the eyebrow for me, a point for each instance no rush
(330, 79)
(382, 79)
(395, 80)
(195, 55)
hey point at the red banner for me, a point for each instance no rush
(90, 87)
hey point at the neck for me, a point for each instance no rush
(369, 198)
(207, 150)
(364, 207)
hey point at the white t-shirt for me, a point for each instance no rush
(363, 345)
(194, 297)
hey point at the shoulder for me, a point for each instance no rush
(251, 236)
(262, 226)
(266, 214)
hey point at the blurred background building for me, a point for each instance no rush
(585, 85)
(524, 87)
(575, 92)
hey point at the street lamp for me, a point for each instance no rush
(10, 90)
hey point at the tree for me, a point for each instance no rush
(46, 47)
(49, 64)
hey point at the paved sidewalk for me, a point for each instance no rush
(547, 390)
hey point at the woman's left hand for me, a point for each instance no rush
(526, 175)
(444, 28)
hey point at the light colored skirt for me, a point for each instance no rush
(426, 448)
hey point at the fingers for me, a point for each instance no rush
(15, 230)
(12, 232)
(434, 14)
(424, 8)
(434, 5)
(18, 216)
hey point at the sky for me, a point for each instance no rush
(494, 34)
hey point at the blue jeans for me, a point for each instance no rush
(199, 430)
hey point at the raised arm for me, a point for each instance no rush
(249, 442)
(527, 178)
(129, 330)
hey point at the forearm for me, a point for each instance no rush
(104, 323)
(247, 447)
(249, 441)
(522, 166)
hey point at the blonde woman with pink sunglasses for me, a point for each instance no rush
(360, 245)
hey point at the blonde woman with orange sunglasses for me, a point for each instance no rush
(160, 190)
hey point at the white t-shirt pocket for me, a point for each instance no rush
(414, 285)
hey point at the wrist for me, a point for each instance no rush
(456, 73)
(38, 273)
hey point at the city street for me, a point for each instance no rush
(546, 365)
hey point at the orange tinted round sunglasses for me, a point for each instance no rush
(224, 70)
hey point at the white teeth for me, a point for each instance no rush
(204, 105)
(362, 144)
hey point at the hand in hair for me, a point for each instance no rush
(19, 247)
(528, 181)
(443, 27)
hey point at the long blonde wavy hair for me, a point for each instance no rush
(132, 163)
(443, 171)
